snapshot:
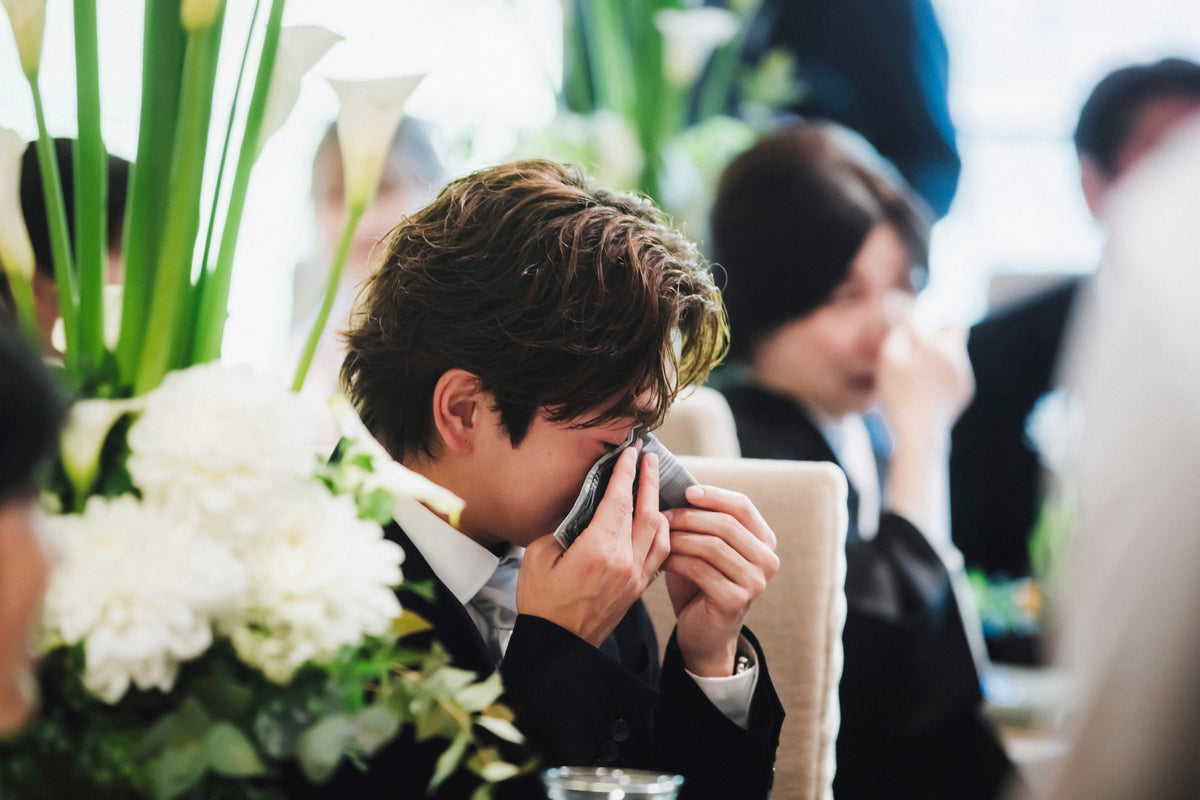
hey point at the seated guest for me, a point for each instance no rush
(31, 412)
(995, 473)
(819, 245)
(516, 330)
(33, 208)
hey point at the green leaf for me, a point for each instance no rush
(496, 771)
(450, 680)
(378, 506)
(178, 769)
(375, 727)
(479, 696)
(448, 761)
(502, 728)
(434, 720)
(320, 748)
(230, 752)
(409, 622)
(482, 792)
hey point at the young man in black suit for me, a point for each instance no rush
(517, 329)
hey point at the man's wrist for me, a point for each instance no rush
(718, 665)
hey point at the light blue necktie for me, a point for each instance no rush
(497, 602)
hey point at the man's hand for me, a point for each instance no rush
(722, 555)
(589, 588)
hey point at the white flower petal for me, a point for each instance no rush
(300, 48)
(689, 38)
(141, 587)
(221, 439)
(28, 18)
(319, 579)
(16, 251)
(371, 113)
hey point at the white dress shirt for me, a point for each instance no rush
(466, 567)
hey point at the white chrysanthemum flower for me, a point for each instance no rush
(141, 588)
(320, 578)
(221, 439)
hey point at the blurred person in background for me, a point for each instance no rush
(820, 240)
(33, 207)
(878, 67)
(1129, 634)
(30, 413)
(995, 474)
(412, 175)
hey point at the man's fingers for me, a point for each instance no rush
(614, 514)
(726, 560)
(649, 525)
(735, 504)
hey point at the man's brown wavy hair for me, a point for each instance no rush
(565, 299)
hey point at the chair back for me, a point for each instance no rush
(799, 618)
(700, 424)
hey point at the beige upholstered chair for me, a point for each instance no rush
(799, 618)
(700, 424)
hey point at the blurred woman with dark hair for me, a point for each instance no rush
(821, 243)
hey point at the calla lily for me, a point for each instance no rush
(196, 15)
(28, 19)
(300, 48)
(689, 38)
(387, 473)
(371, 112)
(83, 438)
(16, 251)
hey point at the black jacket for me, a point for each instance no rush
(910, 692)
(579, 706)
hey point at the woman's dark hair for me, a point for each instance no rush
(563, 298)
(31, 410)
(790, 214)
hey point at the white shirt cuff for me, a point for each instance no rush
(732, 695)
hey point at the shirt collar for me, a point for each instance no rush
(460, 562)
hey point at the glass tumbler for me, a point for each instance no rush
(602, 783)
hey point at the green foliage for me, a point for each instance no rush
(224, 722)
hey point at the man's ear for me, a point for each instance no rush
(458, 408)
(1094, 181)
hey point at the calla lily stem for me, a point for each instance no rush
(172, 280)
(354, 214)
(214, 300)
(60, 240)
(91, 191)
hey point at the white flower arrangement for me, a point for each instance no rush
(232, 535)
(225, 600)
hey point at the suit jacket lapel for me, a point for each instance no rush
(452, 626)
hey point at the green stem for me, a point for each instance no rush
(162, 53)
(608, 55)
(172, 278)
(60, 240)
(91, 190)
(201, 285)
(331, 287)
(214, 301)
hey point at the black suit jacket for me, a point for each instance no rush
(580, 706)
(995, 475)
(909, 692)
